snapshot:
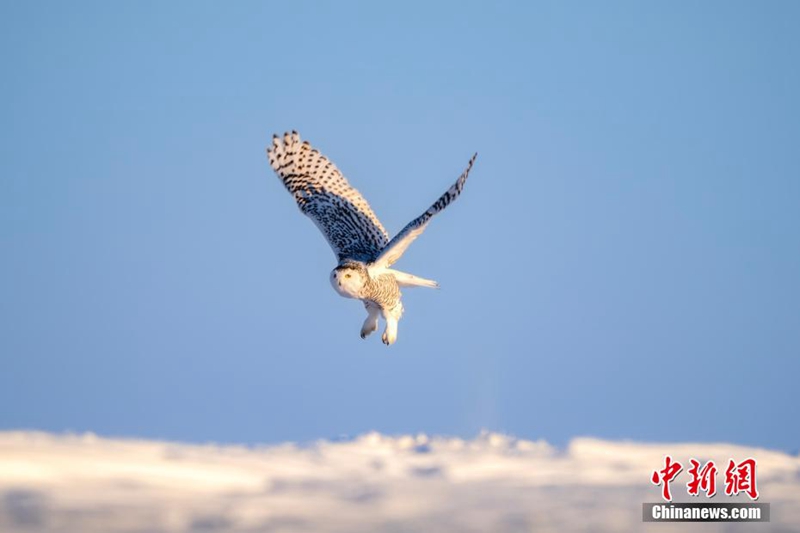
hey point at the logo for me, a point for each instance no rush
(740, 478)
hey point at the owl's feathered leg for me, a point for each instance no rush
(371, 322)
(392, 316)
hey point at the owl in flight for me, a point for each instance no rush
(355, 234)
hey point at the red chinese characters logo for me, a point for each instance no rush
(741, 478)
(664, 477)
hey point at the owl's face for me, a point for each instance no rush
(348, 281)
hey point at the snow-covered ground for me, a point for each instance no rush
(493, 483)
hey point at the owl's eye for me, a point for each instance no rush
(347, 275)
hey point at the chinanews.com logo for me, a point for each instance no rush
(740, 478)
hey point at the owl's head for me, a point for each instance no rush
(349, 278)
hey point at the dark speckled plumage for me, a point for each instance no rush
(325, 196)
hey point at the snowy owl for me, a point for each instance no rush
(355, 234)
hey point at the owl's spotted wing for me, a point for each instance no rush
(400, 242)
(325, 196)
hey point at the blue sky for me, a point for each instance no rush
(623, 262)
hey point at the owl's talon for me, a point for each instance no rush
(371, 323)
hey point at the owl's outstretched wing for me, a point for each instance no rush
(325, 196)
(400, 242)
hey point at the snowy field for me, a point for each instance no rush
(493, 483)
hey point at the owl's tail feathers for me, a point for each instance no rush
(410, 280)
